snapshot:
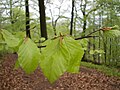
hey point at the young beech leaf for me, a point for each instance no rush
(17, 47)
(10, 39)
(55, 60)
(2, 42)
(84, 43)
(1, 38)
(112, 33)
(116, 27)
(76, 53)
(28, 56)
(61, 54)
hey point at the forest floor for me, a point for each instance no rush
(86, 79)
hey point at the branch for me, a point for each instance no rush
(80, 18)
(41, 46)
(85, 37)
(94, 32)
(89, 35)
(94, 9)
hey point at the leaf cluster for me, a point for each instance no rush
(62, 54)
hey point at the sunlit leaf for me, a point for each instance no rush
(76, 53)
(116, 27)
(96, 52)
(2, 42)
(1, 47)
(112, 33)
(10, 39)
(17, 47)
(84, 43)
(55, 60)
(61, 54)
(28, 56)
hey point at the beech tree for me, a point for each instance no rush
(72, 17)
(27, 18)
(42, 19)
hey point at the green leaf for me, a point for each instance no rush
(76, 52)
(112, 33)
(1, 47)
(55, 60)
(96, 52)
(2, 42)
(10, 39)
(17, 47)
(92, 51)
(61, 54)
(116, 27)
(28, 56)
(84, 43)
(1, 36)
(42, 39)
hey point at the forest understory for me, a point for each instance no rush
(86, 79)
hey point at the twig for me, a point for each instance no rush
(94, 32)
(85, 37)
(41, 46)
(89, 35)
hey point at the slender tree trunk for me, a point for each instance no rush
(84, 18)
(84, 24)
(94, 57)
(72, 17)
(75, 22)
(27, 19)
(11, 16)
(105, 49)
(99, 61)
(42, 19)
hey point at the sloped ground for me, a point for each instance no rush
(87, 79)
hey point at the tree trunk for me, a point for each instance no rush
(84, 18)
(11, 19)
(42, 19)
(27, 19)
(72, 17)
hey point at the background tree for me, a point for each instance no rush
(42, 19)
(27, 18)
(72, 17)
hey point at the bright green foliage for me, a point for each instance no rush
(28, 56)
(18, 20)
(116, 27)
(96, 52)
(1, 37)
(20, 34)
(76, 53)
(55, 60)
(60, 55)
(2, 42)
(84, 43)
(1, 47)
(10, 39)
(112, 33)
